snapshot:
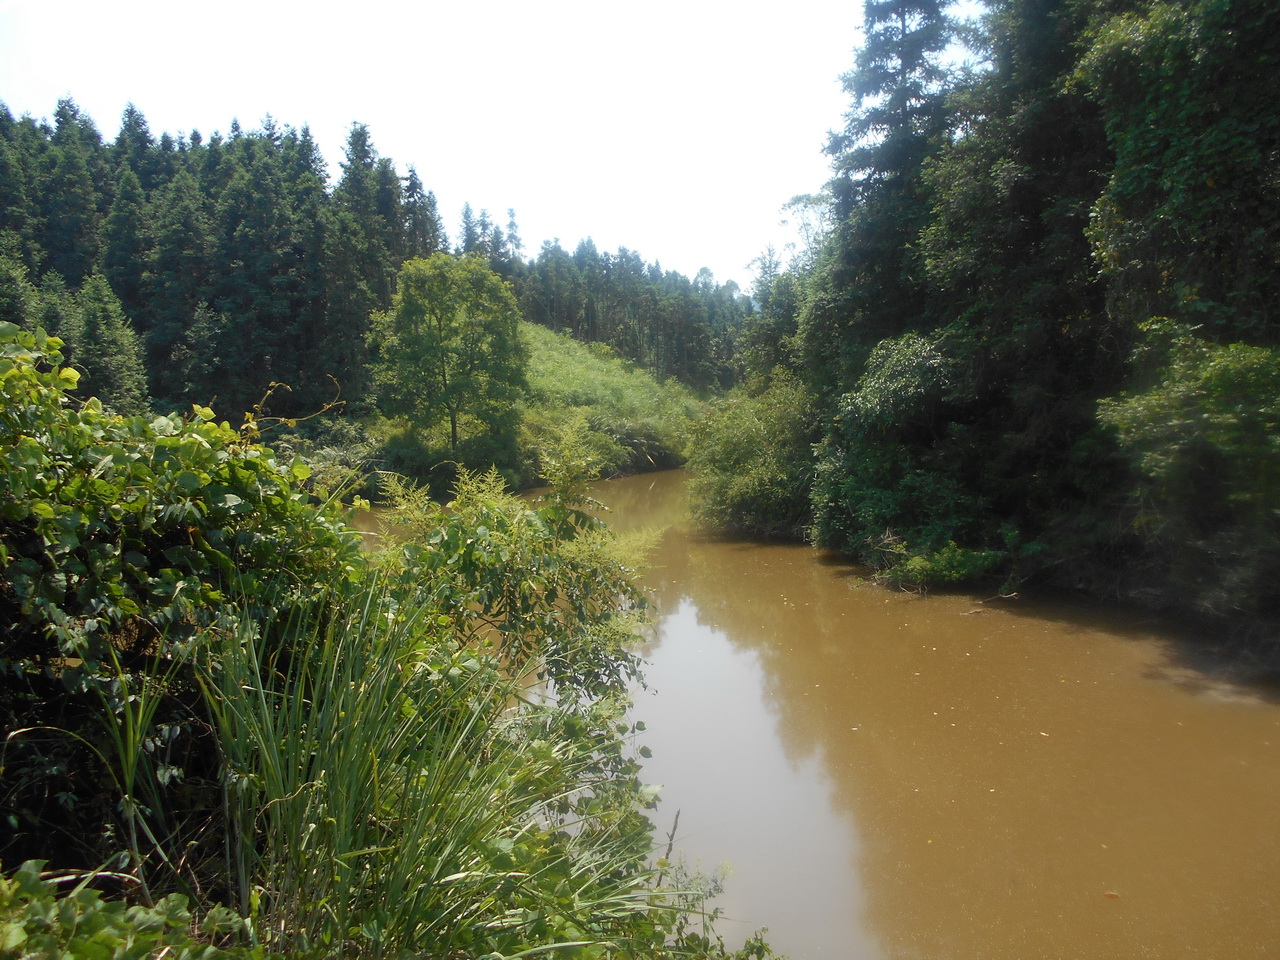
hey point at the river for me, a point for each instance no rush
(897, 776)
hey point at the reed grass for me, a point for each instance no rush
(391, 793)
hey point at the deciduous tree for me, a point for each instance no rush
(449, 347)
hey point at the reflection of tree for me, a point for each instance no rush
(1003, 769)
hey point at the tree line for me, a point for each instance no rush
(203, 269)
(1038, 338)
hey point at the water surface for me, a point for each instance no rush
(895, 776)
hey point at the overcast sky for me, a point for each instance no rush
(677, 128)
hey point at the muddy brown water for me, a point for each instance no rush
(896, 776)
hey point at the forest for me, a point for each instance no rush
(204, 270)
(1038, 341)
(1034, 343)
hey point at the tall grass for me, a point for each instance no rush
(635, 423)
(389, 792)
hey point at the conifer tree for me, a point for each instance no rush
(124, 244)
(70, 208)
(423, 228)
(868, 287)
(177, 277)
(17, 293)
(389, 201)
(133, 146)
(103, 346)
(469, 239)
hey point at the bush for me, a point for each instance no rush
(753, 461)
(123, 540)
(1203, 440)
(36, 922)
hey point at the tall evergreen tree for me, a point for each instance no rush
(178, 276)
(70, 206)
(103, 346)
(357, 196)
(133, 148)
(868, 285)
(423, 227)
(124, 242)
(389, 200)
(468, 231)
(256, 281)
(17, 293)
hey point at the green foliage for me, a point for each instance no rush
(633, 423)
(36, 922)
(17, 294)
(101, 344)
(540, 582)
(114, 521)
(882, 499)
(207, 686)
(946, 566)
(121, 539)
(904, 382)
(449, 348)
(885, 489)
(1204, 439)
(1187, 225)
(752, 461)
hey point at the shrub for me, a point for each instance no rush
(122, 541)
(753, 461)
(1203, 440)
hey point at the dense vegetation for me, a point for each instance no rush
(215, 700)
(1039, 336)
(1035, 342)
(205, 270)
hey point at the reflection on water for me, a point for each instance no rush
(904, 777)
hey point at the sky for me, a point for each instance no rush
(676, 128)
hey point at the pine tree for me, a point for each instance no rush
(469, 231)
(423, 228)
(103, 346)
(256, 281)
(70, 208)
(389, 201)
(17, 294)
(17, 216)
(515, 246)
(124, 244)
(357, 196)
(178, 275)
(869, 284)
(133, 148)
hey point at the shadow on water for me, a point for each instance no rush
(1198, 660)
(897, 775)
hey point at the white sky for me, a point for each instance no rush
(676, 128)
